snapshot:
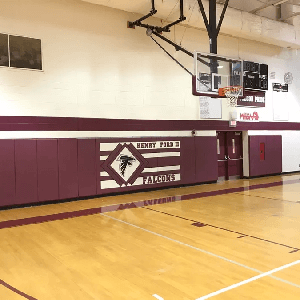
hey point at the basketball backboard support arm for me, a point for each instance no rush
(156, 28)
(151, 13)
(178, 47)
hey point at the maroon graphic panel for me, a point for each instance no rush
(26, 171)
(7, 172)
(67, 166)
(87, 178)
(47, 162)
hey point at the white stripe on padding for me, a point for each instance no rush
(111, 184)
(248, 280)
(161, 169)
(151, 155)
(161, 154)
(158, 297)
(105, 174)
(109, 146)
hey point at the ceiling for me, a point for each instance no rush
(262, 20)
(266, 8)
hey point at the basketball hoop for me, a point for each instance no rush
(232, 93)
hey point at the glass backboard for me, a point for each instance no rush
(213, 72)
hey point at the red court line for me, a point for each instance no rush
(141, 203)
(16, 291)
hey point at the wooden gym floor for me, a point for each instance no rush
(230, 240)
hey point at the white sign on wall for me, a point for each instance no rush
(249, 117)
(280, 106)
(210, 108)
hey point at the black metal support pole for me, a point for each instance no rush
(222, 16)
(181, 9)
(213, 26)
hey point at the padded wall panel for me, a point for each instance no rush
(7, 172)
(87, 167)
(67, 168)
(26, 171)
(273, 155)
(47, 162)
(206, 158)
(187, 160)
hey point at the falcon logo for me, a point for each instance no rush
(125, 161)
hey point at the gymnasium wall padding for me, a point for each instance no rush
(54, 169)
(187, 160)
(87, 167)
(7, 172)
(26, 171)
(206, 159)
(47, 162)
(273, 155)
(68, 169)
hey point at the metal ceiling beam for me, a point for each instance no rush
(291, 16)
(268, 4)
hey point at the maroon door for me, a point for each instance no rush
(230, 155)
(222, 155)
(234, 154)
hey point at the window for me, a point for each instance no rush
(4, 60)
(20, 52)
(25, 52)
(233, 146)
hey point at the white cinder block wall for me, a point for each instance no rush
(95, 67)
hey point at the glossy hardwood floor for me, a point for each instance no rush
(179, 250)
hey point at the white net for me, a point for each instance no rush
(232, 93)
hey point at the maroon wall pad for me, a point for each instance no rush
(272, 164)
(47, 162)
(187, 160)
(26, 171)
(87, 167)
(206, 158)
(67, 167)
(7, 172)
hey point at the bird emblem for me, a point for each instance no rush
(125, 161)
